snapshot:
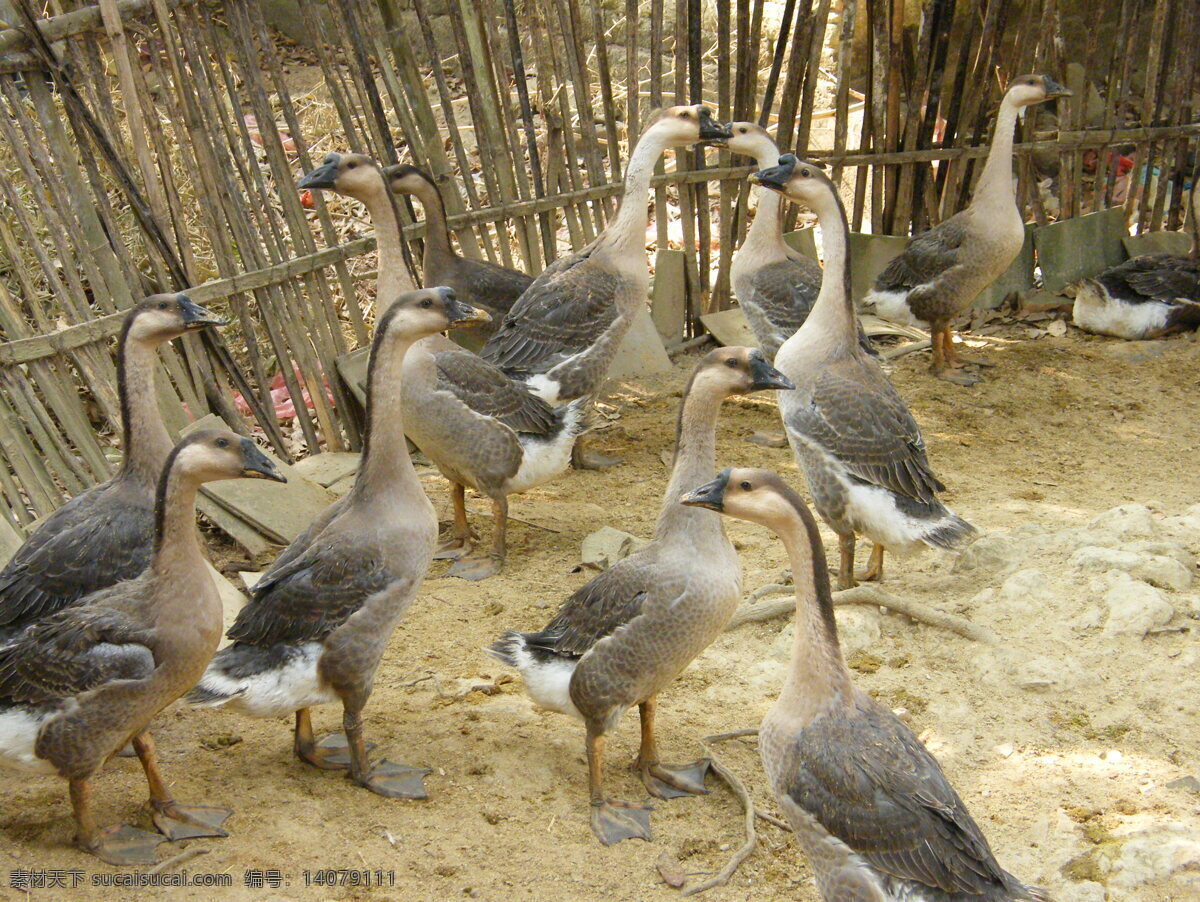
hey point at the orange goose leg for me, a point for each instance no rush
(173, 820)
(612, 821)
(666, 781)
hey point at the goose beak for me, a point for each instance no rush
(766, 376)
(1054, 88)
(711, 131)
(777, 177)
(197, 317)
(461, 314)
(323, 177)
(256, 465)
(710, 495)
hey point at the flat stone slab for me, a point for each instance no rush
(280, 511)
(729, 328)
(327, 468)
(869, 255)
(668, 295)
(1157, 243)
(232, 600)
(641, 353)
(1017, 279)
(352, 368)
(804, 241)
(1077, 248)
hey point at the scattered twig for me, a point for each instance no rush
(909, 347)
(175, 860)
(428, 676)
(488, 513)
(868, 595)
(741, 854)
(736, 734)
(774, 821)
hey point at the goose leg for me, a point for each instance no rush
(461, 537)
(944, 364)
(846, 564)
(483, 566)
(666, 781)
(957, 360)
(874, 571)
(394, 781)
(119, 844)
(612, 821)
(173, 820)
(331, 753)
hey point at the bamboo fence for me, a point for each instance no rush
(153, 145)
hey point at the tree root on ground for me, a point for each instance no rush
(735, 785)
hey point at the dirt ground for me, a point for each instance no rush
(1058, 773)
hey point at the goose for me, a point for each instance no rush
(564, 331)
(941, 272)
(775, 284)
(318, 620)
(480, 427)
(870, 805)
(76, 686)
(861, 450)
(1149, 296)
(624, 636)
(106, 534)
(479, 283)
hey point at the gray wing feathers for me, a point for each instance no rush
(925, 257)
(596, 610)
(488, 391)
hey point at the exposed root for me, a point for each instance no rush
(869, 595)
(909, 347)
(735, 785)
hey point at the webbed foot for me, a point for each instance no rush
(454, 548)
(958, 376)
(123, 845)
(396, 781)
(664, 781)
(768, 439)
(614, 821)
(176, 822)
(477, 568)
(331, 753)
(583, 459)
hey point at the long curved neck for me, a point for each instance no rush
(146, 441)
(765, 229)
(833, 311)
(695, 459)
(818, 679)
(627, 230)
(386, 463)
(439, 251)
(177, 544)
(393, 279)
(996, 181)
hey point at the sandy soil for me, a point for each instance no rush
(1056, 773)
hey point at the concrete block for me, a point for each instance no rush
(803, 240)
(668, 295)
(352, 368)
(641, 353)
(1076, 248)
(1157, 243)
(729, 328)
(869, 254)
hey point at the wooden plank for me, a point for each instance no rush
(869, 254)
(10, 540)
(326, 469)
(1076, 248)
(668, 295)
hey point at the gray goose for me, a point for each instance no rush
(870, 806)
(940, 272)
(775, 284)
(319, 619)
(624, 636)
(76, 686)
(480, 427)
(564, 331)
(106, 534)
(479, 283)
(861, 451)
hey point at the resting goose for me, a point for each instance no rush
(480, 427)
(1149, 296)
(861, 451)
(941, 272)
(76, 686)
(626, 635)
(564, 331)
(106, 534)
(319, 619)
(479, 283)
(775, 284)
(870, 806)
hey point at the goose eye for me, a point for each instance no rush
(162, 305)
(222, 443)
(685, 115)
(426, 304)
(351, 165)
(732, 362)
(745, 486)
(806, 173)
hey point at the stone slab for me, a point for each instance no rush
(804, 241)
(668, 295)
(869, 254)
(326, 469)
(352, 368)
(233, 525)
(729, 328)
(1017, 279)
(1076, 248)
(232, 600)
(1157, 243)
(641, 353)
(280, 511)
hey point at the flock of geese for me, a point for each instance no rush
(108, 613)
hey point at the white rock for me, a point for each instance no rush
(1134, 608)
(1095, 558)
(1162, 548)
(992, 552)
(1129, 521)
(607, 545)
(858, 629)
(1086, 891)
(1155, 854)
(1164, 572)
(1025, 590)
(1000, 665)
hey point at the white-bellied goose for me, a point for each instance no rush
(871, 807)
(1149, 296)
(76, 686)
(565, 330)
(861, 451)
(318, 621)
(940, 272)
(479, 283)
(626, 635)
(106, 534)
(774, 283)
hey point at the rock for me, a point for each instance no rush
(1086, 891)
(1134, 608)
(1098, 559)
(1158, 570)
(1127, 522)
(607, 545)
(999, 665)
(992, 552)
(1164, 572)
(1154, 548)
(1041, 673)
(858, 629)
(1154, 854)
(1188, 782)
(1025, 590)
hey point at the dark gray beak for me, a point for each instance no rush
(324, 176)
(256, 465)
(766, 376)
(461, 314)
(711, 131)
(1054, 88)
(197, 317)
(777, 177)
(710, 495)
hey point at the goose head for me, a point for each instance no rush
(403, 178)
(213, 454)
(1026, 90)
(427, 311)
(352, 174)
(738, 371)
(798, 180)
(162, 317)
(751, 140)
(745, 493)
(679, 126)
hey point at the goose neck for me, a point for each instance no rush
(178, 548)
(146, 441)
(627, 230)
(386, 463)
(439, 250)
(766, 227)
(695, 460)
(996, 180)
(833, 310)
(393, 279)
